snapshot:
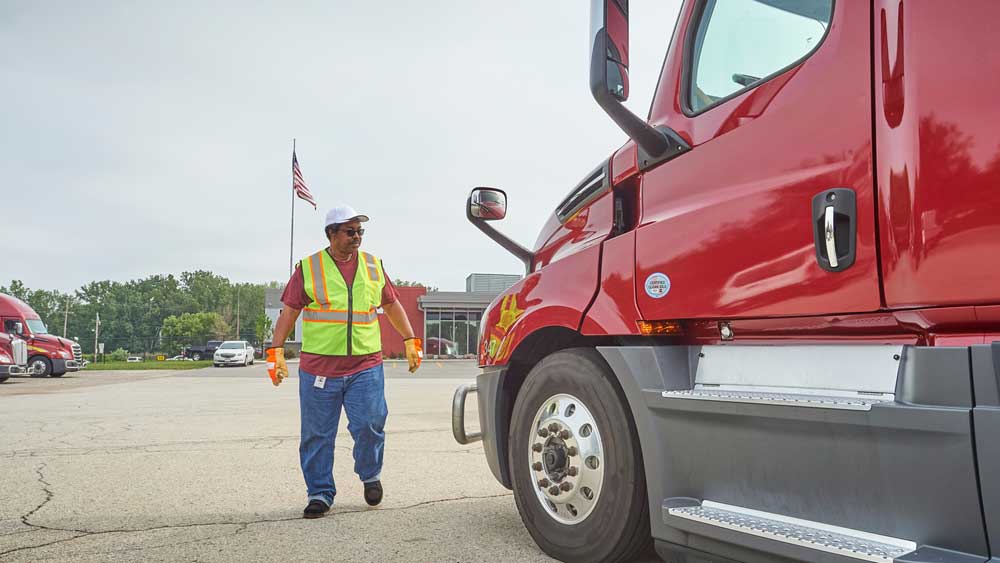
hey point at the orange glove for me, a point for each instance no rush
(277, 369)
(414, 352)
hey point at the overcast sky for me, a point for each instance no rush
(139, 138)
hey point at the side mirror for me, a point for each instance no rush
(609, 84)
(609, 47)
(488, 204)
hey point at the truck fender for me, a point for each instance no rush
(643, 370)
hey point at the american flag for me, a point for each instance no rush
(298, 184)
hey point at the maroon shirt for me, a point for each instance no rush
(295, 296)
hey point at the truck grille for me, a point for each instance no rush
(77, 352)
(20, 350)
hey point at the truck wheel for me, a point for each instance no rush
(578, 477)
(4, 378)
(41, 365)
(196, 357)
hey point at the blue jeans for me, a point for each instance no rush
(362, 395)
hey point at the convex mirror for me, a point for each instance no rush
(489, 204)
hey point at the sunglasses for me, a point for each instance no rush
(352, 232)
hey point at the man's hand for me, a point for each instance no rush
(276, 366)
(414, 352)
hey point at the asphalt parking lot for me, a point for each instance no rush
(202, 466)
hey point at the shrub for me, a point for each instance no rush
(119, 355)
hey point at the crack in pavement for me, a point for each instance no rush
(243, 526)
(49, 495)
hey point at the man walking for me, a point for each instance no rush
(338, 291)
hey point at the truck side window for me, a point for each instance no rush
(740, 43)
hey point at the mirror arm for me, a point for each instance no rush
(659, 143)
(520, 252)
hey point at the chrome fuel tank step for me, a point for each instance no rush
(845, 542)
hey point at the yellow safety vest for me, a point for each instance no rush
(342, 320)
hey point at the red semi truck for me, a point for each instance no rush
(48, 355)
(13, 357)
(766, 328)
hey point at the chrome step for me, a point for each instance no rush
(844, 402)
(845, 542)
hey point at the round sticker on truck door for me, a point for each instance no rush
(657, 285)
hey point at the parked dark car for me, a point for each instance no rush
(202, 352)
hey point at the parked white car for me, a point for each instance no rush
(233, 353)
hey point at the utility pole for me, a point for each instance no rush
(97, 332)
(66, 317)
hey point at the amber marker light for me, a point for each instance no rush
(659, 328)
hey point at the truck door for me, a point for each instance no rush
(774, 98)
(939, 152)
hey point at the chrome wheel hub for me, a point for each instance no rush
(566, 459)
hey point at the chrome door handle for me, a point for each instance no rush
(831, 238)
(835, 228)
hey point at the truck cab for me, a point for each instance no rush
(767, 327)
(48, 355)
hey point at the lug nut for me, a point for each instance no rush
(543, 432)
(566, 486)
(571, 451)
(553, 427)
(564, 434)
(536, 447)
(572, 471)
(537, 466)
(554, 491)
(542, 483)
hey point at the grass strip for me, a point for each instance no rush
(150, 365)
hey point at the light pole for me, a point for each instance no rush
(237, 312)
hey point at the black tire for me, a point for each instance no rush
(54, 374)
(4, 378)
(44, 363)
(217, 365)
(196, 357)
(618, 527)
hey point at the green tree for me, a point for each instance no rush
(192, 328)
(404, 283)
(16, 289)
(262, 328)
(133, 313)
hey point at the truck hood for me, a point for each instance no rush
(53, 341)
(583, 219)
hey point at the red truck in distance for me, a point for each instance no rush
(13, 357)
(48, 355)
(767, 328)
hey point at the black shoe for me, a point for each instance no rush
(315, 509)
(373, 493)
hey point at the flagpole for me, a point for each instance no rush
(291, 244)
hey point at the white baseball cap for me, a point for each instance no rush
(343, 214)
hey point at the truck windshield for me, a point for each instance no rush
(36, 326)
(230, 345)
